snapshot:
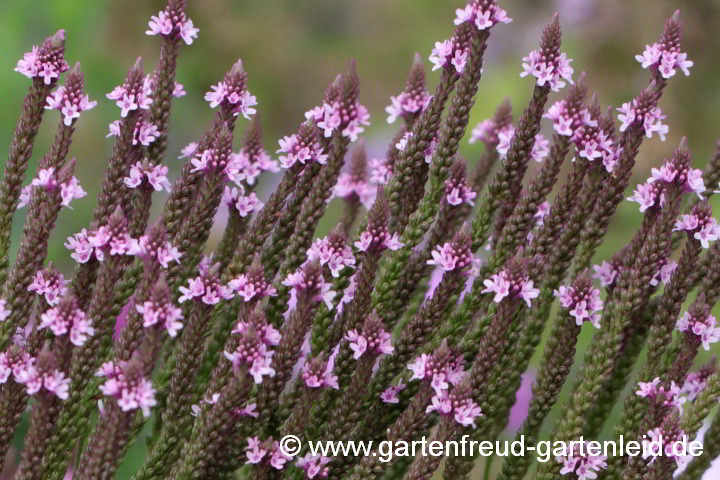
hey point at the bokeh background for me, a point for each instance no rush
(292, 49)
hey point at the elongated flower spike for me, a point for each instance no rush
(582, 301)
(548, 68)
(664, 57)
(232, 93)
(253, 159)
(699, 324)
(47, 61)
(512, 282)
(70, 98)
(414, 99)
(173, 23)
(699, 224)
(50, 284)
(353, 185)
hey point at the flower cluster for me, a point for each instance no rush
(244, 205)
(257, 451)
(482, 13)
(314, 465)
(157, 249)
(414, 99)
(512, 282)
(582, 300)
(675, 172)
(458, 403)
(349, 185)
(458, 192)
(634, 113)
(699, 224)
(69, 190)
(347, 118)
(605, 273)
(658, 394)
(47, 61)
(216, 160)
(451, 256)
(70, 103)
(252, 350)
(35, 379)
(661, 441)
(67, 318)
(317, 373)
(441, 369)
(252, 165)
(372, 339)
(252, 285)
(130, 97)
(664, 57)
(301, 147)
(51, 284)
(239, 98)
(123, 383)
(311, 282)
(144, 133)
(452, 54)
(550, 70)
(332, 251)
(159, 310)
(567, 118)
(700, 323)
(581, 462)
(155, 176)
(110, 239)
(664, 273)
(14, 362)
(390, 394)
(206, 287)
(173, 23)
(402, 144)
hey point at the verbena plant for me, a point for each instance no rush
(388, 328)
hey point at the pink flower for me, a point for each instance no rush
(53, 287)
(70, 104)
(156, 176)
(252, 164)
(482, 14)
(251, 286)
(449, 54)
(314, 465)
(551, 72)
(379, 241)
(298, 282)
(254, 451)
(299, 148)
(165, 314)
(65, 318)
(664, 59)
(566, 122)
(349, 185)
(317, 373)
(659, 437)
(47, 61)
(701, 325)
(506, 284)
(389, 395)
(335, 254)
(375, 342)
(582, 301)
(188, 150)
(581, 463)
(130, 98)
(80, 245)
(407, 104)
(207, 291)
(380, 171)
(664, 273)
(449, 258)
(174, 23)
(240, 101)
(651, 121)
(506, 136)
(700, 225)
(458, 192)
(247, 205)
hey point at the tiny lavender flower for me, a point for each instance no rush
(70, 104)
(252, 285)
(549, 71)
(512, 282)
(66, 317)
(658, 394)
(332, 251)
(314, 465)
(566, 121)
(302, 147)
(317, 373)
(206, 287)
(144, 134)
(482, 13)
(51, 284)
(173, 23)
(155, 176)
(389, 395)
(631, 114)
(540, 148)
(130, 98)
(297, 281)
(582, 301)
(581, 463)
(372, 339)
(47, 61)
(131, 393)
(702, 326)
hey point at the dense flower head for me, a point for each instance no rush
(173, 23)
(247, 204)
(664, 436)
(251, 166)
(153, 175)
(314, 465)
(206, 287)
(378, 239)
(159, 310)
(46, 61)
(442, 368)
(317, 373)
(582, 300)
(568, 116)
(414, 99)
(70, 99)
(698, 322)
(660, 394)
(51, 284)
(458, 403)
(333, 251)
(232, 93)
(642, 112)
(35, 379)
(144, 133)
(132, 96)
(458, 192)
(155, 246)
(699, 224)
(483, 14)
(539, 150)
(580, 462)
(110, 239)
(664, 58)
(14, 361)
(594, 144)
(67, 318)
(309, 282)
(302, 147)
(371, 339)
(348, 119)
(547, 64)
(125, 382)
(49, 179)
(452, 54)
(218, 159)
(252, 349)
(252, 285)
(512, 282)
(455, 255)
(257, 451)
(696, 382)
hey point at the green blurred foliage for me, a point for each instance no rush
(293, 48)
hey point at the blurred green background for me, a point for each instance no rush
(292, 49)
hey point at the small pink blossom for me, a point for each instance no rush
(651, 121)
(554, 72)
(482, 14)
(297, 149)
(53, 287)
(503, 285)
(314, 465)
(175, 23)
(658, 57)
(582, 301)
(69, 104)
(389, 395)
(188, 150)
